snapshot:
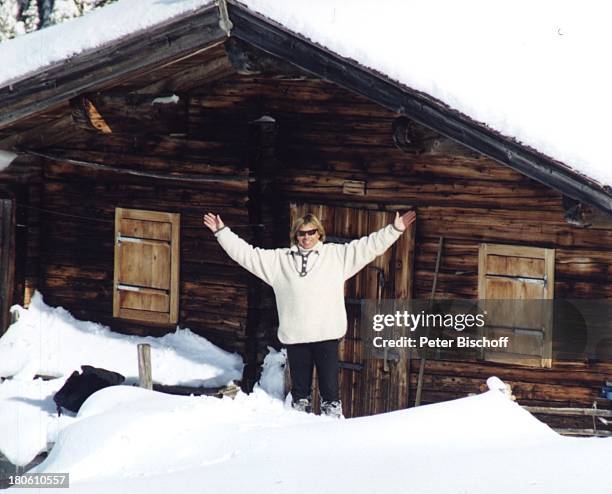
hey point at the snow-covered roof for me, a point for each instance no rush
(531, 72)
(30, 53)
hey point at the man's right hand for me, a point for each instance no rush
(213, 222)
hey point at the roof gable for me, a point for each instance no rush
(199, 29)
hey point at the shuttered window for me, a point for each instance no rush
(146, 266)
(513, 273)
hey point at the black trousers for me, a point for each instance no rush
(302, 359)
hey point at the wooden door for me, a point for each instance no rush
(367, 386)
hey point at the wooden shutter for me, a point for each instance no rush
(146, 265)
(507, 273)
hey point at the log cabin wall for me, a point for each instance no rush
(157, 155)
(325, 136)
(121, 147)
(320, 137)
(76, 265)
(23, 183)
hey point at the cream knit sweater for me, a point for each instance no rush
(310, 308)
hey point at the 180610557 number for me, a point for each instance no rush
(39, 480)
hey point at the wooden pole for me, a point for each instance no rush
(144, 366)
(417, 400)
(7, 260)
(287, 376)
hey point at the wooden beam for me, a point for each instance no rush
(273, 38)
(7, 259)
(211, 66)
(595, 218)
(86, 115)
(133, 114)
(187, 178)
(583, 432)
(568, 411)
(116, 61)
(248, 60)
(43, 135)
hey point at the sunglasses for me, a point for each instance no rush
(310, 233)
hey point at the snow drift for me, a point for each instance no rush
(48, 341)
(143, 441)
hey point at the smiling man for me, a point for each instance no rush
(308, 281)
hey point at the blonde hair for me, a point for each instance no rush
(304, 220)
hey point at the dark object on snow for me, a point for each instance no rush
(79, 387)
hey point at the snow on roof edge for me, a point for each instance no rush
(153, 22)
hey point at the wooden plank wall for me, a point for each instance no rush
(322, 136)
(326, 136)
(23, 181)
(208, 173)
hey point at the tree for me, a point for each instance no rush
(31, 16)
(23, 16)
(10, 24)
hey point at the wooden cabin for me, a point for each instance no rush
(121, 151)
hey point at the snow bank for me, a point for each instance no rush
(272, 379)
(146, 442)
(127, 439)
(49, 341)
(28, 420)
(134, 432)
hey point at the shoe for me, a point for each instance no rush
(302, 405)
(332, 409)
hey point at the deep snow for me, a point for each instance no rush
(144, 442)
(48, 341)
(127, 439)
